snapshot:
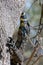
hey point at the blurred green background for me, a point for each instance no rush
(33, 11)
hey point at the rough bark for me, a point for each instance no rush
(10, 11)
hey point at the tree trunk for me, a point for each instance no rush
(10, 11)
